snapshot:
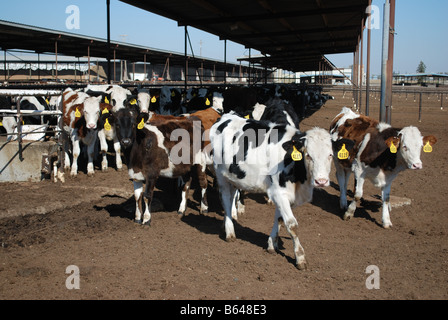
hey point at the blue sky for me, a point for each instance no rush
(421, 28)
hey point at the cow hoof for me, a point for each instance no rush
(347, 216)
(302, 266)
(230, 238)
(138, 221)
(147, 223)
(205, 211)
(180, 214)
(387, 226)
(271, 250)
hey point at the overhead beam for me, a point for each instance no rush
(270, 15)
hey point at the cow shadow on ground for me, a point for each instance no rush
(330, 203)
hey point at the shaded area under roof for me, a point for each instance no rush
(294, 35)
(42, 40)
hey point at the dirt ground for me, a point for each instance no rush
(87, 222)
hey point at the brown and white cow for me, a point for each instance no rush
(380, 153)
(80, 114)
(160, 147)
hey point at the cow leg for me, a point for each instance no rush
(117, 148)
(342, 176)
(138, 194)
(91, 157)
(150, 184)
(203, 183)
(227, 195)
(186, 183)
(273, 238)
(103, 147)
(240, 207)
(76, 152)
(359, 185)
(284, 211)
(385, 197)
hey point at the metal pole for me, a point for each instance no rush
(108, 43)
(56, 57)
(249, 67)
(186, 61)
(225, 61)
(384, 59)
(390, 62)
(369, 22)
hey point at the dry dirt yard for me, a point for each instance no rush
(87, 222)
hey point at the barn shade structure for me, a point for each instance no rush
(293, 35)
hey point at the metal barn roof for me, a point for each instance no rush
(42, 40)
(294, 34)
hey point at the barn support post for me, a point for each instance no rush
(56, 57)
(249, 67)
(186, 61)
(390, 62)
(361, 59)
(88, 64)
(225, 61)
(108, 42)
(384, 58)
(369, 27)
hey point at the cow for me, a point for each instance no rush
(152, 151)
(118, 97)
(380, 153)
(81, 114)
(276, 159)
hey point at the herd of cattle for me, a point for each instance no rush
(248, 139)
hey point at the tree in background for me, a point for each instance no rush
(421, 67)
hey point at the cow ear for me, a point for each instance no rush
(393, 143)
(431, 139)
(287, 145)
(141, 119)
(132, 100)
(349, 144)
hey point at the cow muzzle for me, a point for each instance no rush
(126, 142)
(417, 166)
(321, 183)
(91, 126)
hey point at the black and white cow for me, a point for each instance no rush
(118, 97)
(278, 160)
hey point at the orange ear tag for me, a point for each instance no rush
(343, 153)
(427, 148)
(296, 155)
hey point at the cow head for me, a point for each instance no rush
(91, 111)
(408, 145)
(126, 122)
(143, 99)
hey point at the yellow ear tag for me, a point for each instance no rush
(107, 125)
(427, 148)
(207, 102)
(47, 101)
(105, 111)
(296, 155)
(153, 99)
(393, 148)
(77, 113)
(1, 124)
(106, 100)
(247, 117)
(133, 101)
(173, 94)
(343, 153)
(141, 125)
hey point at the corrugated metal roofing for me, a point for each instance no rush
(294, 34)
(42, 40)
